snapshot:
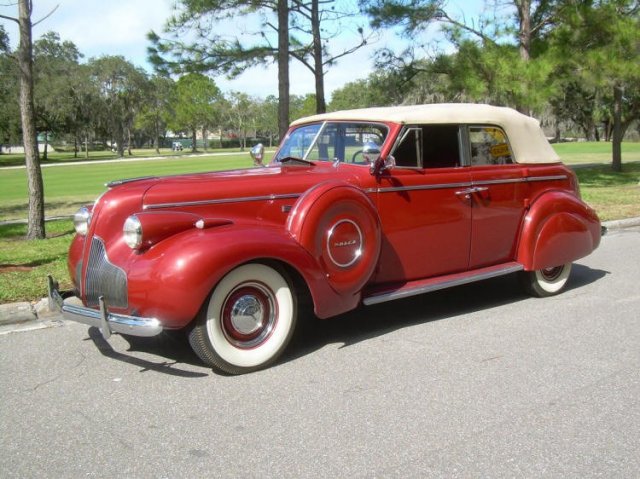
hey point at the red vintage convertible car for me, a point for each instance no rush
(356, 207)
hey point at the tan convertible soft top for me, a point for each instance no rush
(526, 138)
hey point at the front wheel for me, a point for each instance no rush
(248, 322)
(546, 282)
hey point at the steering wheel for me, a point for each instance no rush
(353, 158)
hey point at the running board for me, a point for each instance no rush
(413, 288)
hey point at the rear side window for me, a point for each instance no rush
(489, 146)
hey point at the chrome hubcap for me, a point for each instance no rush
(551, 274)
(249, 314)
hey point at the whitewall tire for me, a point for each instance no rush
(546, 282)
(248, 321)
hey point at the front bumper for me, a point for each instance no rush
(107, 322)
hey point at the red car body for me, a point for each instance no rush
(339, 232)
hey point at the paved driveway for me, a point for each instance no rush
(478, 381)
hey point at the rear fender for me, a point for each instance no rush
(559, 228)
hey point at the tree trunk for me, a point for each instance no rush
(45, 155)
(204, 138)
(156, 136)
(283, 67)
(86, 146)
(318, 69)
(193, 140)
(35, 228)
(524, 33)
(120, 140)
(129, 141)
(524, 39)
(618, 133)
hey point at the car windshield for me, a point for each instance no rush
(331, 141)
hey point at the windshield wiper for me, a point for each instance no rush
(288, 159)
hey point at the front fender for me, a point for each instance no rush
(172, 280)
(559, 228)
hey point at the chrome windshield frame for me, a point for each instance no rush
(315, 140)
(322, 127)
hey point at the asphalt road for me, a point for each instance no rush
(477, 381)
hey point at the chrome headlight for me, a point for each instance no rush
(132, 231)
(81, 220)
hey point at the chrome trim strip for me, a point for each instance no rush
(399, 294)
(106, 321)
(501, 182)
(439, 186)
(391, 189)
(113, 183)
(546, 178)
(466, 184)
(222, 201)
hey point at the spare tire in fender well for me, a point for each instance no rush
(339, 226)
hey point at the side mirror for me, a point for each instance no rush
(257, 153)
(370, 152)
(382, 164)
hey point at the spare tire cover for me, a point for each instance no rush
(338, 224)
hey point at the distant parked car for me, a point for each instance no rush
(356, 207)
(176, 146)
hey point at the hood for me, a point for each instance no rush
(242, 185)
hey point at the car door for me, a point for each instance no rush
(498, 199)
(425, 215)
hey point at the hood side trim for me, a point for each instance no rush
(221, 201)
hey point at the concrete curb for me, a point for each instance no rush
(621, 224)
(29, 315)
(24, 316)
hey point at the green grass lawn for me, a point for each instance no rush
(595, 152)
(24, 265)
(613, 195)
(54, 157)
(67, 187)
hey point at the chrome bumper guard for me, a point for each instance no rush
(107, 322)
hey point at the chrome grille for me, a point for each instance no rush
(78, 281)
(104, 278)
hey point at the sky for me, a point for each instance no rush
(119, 27)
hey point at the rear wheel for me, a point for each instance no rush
(546, 282)
(248, 321)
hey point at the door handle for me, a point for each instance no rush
(469, 191)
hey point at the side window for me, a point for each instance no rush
(408, 152)
(489, 146)
(429, 146)
(441, 147)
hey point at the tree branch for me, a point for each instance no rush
(443, 16)
(10, 19)
(46, 16)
